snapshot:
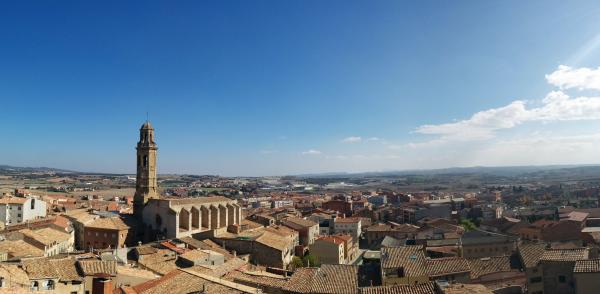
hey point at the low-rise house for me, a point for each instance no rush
(403, 265)
(54, 275)
(96, 272)
(587, 276)
(350, 225)
(201, 257)
(17, 249)
(497, 271)
(557, 266)
(16, 210)
(530, 255)
(477, 244)
(451, 269)
(268, 246)
(52, 240)
(308, 230)
(79, 219)
(328, 250)
(111, 231)
(376, 233)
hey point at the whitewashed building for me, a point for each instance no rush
(15, 210)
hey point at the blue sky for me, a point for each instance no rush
(286, 87)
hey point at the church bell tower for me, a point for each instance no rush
(145, 184)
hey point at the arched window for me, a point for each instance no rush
(145, 160)
(32, 203)
(34, 286)
(50, 285)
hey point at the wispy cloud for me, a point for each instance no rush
(373, 139)
(352, 139)
(556, 106)
(311, 152)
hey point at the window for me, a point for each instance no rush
(32, 204)
(535, 280)
(562, 279)
(19, 208)
(50, 285)
(400, 272)
(145, 160)
(19, 215)
(1, 282)
(34, 286)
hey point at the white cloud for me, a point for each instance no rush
(353, 139)
(311, 152)
(566, 77)
(373, 139)
(556, 106)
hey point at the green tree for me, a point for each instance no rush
(311, 260)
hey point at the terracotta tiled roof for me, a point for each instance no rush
(257, 280)
(274, 240)
(335, 279)
(565, 254)
(446, 266)
(488, 265)
(300, 222)
(40, 268)
(427, 288)
(112, 223)
(92, 267)
(18, 277)
(47, 236)
(301, 281)
(467, 288)
(223, 269)
(388, 228)
(531, 254)
(20, 248)
(13, 200)
(184, 281)
(410, 257)
(347, 220)
(587, 266)
(66, 269)
(329, 278)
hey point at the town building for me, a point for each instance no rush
(403, 265)
(478, 244)
(349, 225)
(174, 217)
(307, 229)
(16, 210)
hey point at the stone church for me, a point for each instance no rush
(167, 218)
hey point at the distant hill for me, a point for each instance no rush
(8, 168)
(502, 171)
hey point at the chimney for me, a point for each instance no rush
(102, 285)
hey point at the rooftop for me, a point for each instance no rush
(411, 257)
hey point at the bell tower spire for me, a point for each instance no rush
(146, 186)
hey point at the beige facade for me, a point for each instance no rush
(328, 250)
(183, 217)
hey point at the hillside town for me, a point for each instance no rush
(67, 232)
